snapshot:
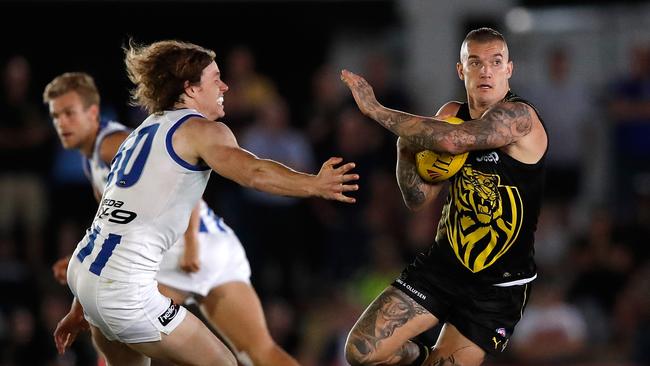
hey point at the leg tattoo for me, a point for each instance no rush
(390, 311)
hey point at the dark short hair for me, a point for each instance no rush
(483, 35)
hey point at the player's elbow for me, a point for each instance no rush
(413, 202)
(257, 179)
(450, 146)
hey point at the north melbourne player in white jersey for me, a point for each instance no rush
(156, 178)
(149, 195)
(221, 255)
(145, 207)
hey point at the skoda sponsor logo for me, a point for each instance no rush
(492, 157)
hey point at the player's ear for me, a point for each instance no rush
(94, 111)
(509, 69)
(188, 88)
(459, 69)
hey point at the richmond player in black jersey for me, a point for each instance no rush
(476, 276)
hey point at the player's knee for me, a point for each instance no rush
(224, 357)
(229, 359)
(262, 350)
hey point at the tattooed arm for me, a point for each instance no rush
(501, 125)
(415, 191)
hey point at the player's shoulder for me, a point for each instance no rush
(516, 98)
(200, 123)
(116, 136)
(110, 143)
(202, 130)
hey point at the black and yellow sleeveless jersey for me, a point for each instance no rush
(488, 222)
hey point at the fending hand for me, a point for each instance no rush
(332, 182)
(362, 92)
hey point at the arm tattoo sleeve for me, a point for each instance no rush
(499, 126)
(410, 183)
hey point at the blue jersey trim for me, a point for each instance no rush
(202, 227)
(85, 251)
(107, 249)
(210, 217)
(220, 225)
(170, 148)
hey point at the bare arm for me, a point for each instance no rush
(69, 327)
(110, 145)
(97, 194)
(107, 150)
(501, 125)
(214, 143)
(415, 191)
(190, 262)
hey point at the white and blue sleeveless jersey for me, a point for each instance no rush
(149, 194)
(95, 168)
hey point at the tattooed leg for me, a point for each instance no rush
(453, 348)
(381, 336)
(435, 359)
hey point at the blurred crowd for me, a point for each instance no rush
(317, 264)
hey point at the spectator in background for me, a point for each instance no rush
(631, 322)
(25, 153)
(326, 104)
(249, 90)
(629, 112)
(552, 331)
(566, 105)
(600, 265)
(272, 135)
(380, 73)
(27, 342)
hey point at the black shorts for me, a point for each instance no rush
(485, 314)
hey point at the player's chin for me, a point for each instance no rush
(215, 115)
(220, 112)
(67, 144)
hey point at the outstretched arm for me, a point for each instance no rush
(499, 126)
(214, 143)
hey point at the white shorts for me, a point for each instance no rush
(222, 259)
(126, 312)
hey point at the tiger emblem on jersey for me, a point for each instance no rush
(482, 218)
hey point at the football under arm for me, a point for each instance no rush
(416, 193)
(499, 126)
